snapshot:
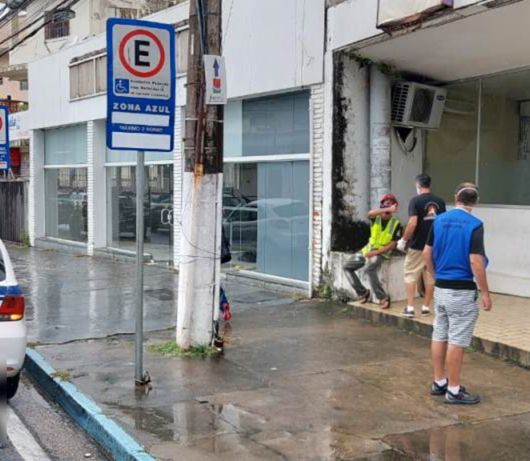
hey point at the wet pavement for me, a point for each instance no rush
(299, 380)
(76, 297)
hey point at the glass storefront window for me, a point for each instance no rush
(504, 166)
(275, 125)
(498, 157)
(266, 216)
(66, 203)
(455, 142)
(66, 146)
(158, 210)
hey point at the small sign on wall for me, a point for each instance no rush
(215, 75)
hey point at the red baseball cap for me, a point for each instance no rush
(389, 197)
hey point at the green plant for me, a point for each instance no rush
(325, 289)
(387, 69)
(25, 241)
(62, 375)
(172, 349)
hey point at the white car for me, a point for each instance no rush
(12, 323)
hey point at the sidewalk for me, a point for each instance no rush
(504, 332)
(299, 380)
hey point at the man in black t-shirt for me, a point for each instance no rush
(423, 210)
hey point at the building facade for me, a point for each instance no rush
(473, 49)
(309, 142)
(82, 195)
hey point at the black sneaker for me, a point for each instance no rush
(462, 398)
(439, 390)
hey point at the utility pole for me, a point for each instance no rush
(199, 276)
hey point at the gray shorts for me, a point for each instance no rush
(455, 316)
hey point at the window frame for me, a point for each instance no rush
(179, 30)
(95, 72)
(480, 94)
(54, 26)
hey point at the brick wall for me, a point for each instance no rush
(317, 118)
(178, 164)
(90, 186)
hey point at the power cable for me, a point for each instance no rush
(34, 32)
(29, 25)
(35, 13)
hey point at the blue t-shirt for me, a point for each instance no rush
(455, 235)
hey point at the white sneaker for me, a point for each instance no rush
(425, 310)
(408, 312)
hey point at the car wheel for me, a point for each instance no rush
(12, 386)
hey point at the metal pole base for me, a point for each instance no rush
(146, 379)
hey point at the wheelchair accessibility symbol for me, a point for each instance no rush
(121, 86)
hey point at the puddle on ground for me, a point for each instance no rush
(500, 439)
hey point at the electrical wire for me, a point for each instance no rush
(227, 24)
(11, 14)
(34, 32)
(28, 25)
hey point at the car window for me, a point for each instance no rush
(2, 268)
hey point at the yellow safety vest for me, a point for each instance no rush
(380, 237)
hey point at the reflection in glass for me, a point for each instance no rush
(273, 125)
(452, 149)
(504, 166)
(66, 203)
(266, 216)
(158, 210)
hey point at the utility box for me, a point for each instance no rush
(395, 13)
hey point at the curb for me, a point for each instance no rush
(512, 354)
(105, 432)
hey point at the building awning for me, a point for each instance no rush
(487, 41)
(17, 72)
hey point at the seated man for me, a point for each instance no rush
(385, 232)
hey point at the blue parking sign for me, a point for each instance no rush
(141, 85)
(4, 138)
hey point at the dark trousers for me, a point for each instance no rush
(371, 266)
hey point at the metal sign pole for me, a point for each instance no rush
(140, 176)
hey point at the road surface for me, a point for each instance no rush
(38, 430)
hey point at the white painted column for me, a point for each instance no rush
(199, 260)
(355, 99)
(327, 162)
(97, 187)
(317, 184)
(178, 169)
(380, 117)
(90, 186)
(36, 199)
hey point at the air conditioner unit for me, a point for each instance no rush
(418, 106)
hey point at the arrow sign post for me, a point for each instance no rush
(215, 74)
(141, 80)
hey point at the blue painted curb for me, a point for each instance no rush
(112, 438)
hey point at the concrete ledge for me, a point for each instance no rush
(391, 275)
(63, 246)
(507, 352)
(112, 438)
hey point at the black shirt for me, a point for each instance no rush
(426, 207)
(477, 248)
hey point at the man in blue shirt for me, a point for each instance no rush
(455, 257)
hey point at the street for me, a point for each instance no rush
(38, 430)
(298, 380)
